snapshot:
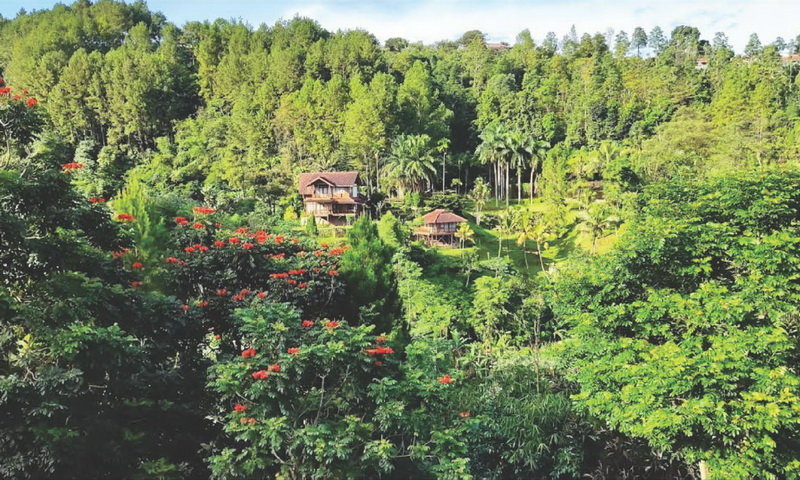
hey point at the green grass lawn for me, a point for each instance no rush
(488, 242)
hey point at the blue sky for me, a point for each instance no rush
(429, 21)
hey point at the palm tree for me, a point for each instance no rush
(441, 147)
(464, 233)
(488, 152)
(520, 148)
(494, 149)
(538, 152)
(595, 220)
(480, 193)
(507, 221)
(410, 165)
(525, 227)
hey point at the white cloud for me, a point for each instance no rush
(437, 20)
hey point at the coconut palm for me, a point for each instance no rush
(464, 233)
(595, 221)
(539, 150)
(480, 193)
(507, 221)
(411, 164)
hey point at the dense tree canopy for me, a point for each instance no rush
(621, 302)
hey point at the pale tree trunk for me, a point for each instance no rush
(704, 473)
(508, 183)
(519, 184)
(533, 169)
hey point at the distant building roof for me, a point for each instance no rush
(795, 57)
(337, 179)
(497, 46)
(441, 215)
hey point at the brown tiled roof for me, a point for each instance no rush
(795, 57)
(338, 179)
(441, 215)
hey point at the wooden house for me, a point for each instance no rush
(331, 197)
(439, 227)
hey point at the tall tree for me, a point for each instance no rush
(639, 40)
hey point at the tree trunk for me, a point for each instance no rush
(533, 169)
(443, 172)
(539, 251)
(508, 183)
(704, 473)
(519, 184)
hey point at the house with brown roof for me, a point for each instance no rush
(439, 227)
(331, 197)
(498, 46)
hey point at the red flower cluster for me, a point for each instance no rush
(120, 253)
(260, 375)
(219, 243)
(221, 292)
(261, 294)
(247, 246)
(195, 248)
(202, 303)
(5, 90)
(381, 339)
(32, 102)
(240, 230)
(248, 421)
(302, 285)
(299, 271)
(198, 225)
(307, 324)
(203, 210)
(181, 221)
(250, 352)
(333, 273)
(234, 240)
(293, 351)
(464, 415)
(278, 275)
(374, 352)
(185, 308)
(97, 200)
(239, 407)
(136, 284)
(445, 379)
(277, 256)
(125, 217)
(68, 167)
(332, 324)
(137, 265)
(274, 368)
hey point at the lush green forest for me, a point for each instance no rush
(623, 303)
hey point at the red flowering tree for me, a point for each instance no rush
(20, 118)
(294, 400)
(217, 269)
